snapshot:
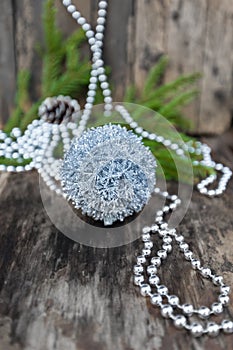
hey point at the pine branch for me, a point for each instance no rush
(54, 49)
(72, 50)
(22, 100)
(154, 75)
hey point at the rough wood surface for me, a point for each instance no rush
(57, 295)
(196, 35)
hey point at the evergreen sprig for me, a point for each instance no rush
(166, 99)
(63, 70)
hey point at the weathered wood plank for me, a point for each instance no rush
(28, 34)
(116, 42)
(217, 86)
(185, 45)
(57, 294)
(150, 22)
(7, 60)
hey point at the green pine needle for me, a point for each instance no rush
(154, 75)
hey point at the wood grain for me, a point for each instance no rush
(57, 295)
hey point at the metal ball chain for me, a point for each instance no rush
(95, 41)
(181, 150)
(147, 267)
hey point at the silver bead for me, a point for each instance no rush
(146, 252)
(162, 233)
(224, 299)
(217, 308)
(212, 329)
(148, 245)
(71, 8)
(158, 219)
(66, 2)
(164, 226)
(195, 264)
(156, 261)
(145, 237)
(138, 279)
(206, 272)
(138, 269)
(162, 290)
(76, 15)
(227, 326)
(151, 269)
(184, 246)
(145, 289)
(204, 312)
(81, 21)
(2, 167)
(166, 310)
(188, 254)
(196, 329)
(162, 254)
(154, 228)
(180, 321)
(179, 238)
(154, 280)
(141, 259)
(167, 247)
(217, 280)
(167, 239)
(188, 309)
(156, 299)
(173, 300)
(225, 289)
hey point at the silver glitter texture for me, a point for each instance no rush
(108, 173)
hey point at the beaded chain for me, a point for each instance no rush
(37, 146)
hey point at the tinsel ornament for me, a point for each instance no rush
(59, 109)
(108, 173)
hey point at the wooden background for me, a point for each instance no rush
(197, 35)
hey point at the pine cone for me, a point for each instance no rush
(58, 109)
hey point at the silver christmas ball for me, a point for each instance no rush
(108, 173)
